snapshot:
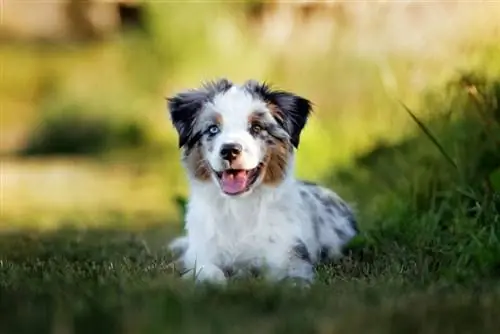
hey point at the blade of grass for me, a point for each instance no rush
(429, 135)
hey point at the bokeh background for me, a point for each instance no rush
(84, 134)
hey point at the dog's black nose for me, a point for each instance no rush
(230, 152)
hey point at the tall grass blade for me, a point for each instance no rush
(429, 135)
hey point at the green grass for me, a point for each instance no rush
(118, 282)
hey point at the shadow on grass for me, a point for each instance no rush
(69, 129)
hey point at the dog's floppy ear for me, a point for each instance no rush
(185, 107)
(296, 111)
(292, 110)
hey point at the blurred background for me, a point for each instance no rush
(84, 135)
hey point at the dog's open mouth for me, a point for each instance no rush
(237, 181)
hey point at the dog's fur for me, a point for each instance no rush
(268, 221)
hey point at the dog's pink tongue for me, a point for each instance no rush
(235, 182)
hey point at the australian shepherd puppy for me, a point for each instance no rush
(246, 212)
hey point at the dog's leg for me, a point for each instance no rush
(295, 265)
(201, 269)
(296, 271)
(179, 245)
(210, 273)
(300, 272)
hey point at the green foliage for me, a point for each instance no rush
(181, 203)
(452, 150)
(70, 128)
(495, 180)
(426, 203)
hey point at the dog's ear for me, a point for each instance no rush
(291, 110)
(186, 106)
(296, 111)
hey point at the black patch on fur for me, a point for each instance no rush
(273, 134)
(255, 272)
(228, 271)
(353, 221)
(317, 221)
(343, 208)
(342, 235)
(185, 107)
(318, 197)
(300, 250)
(324, 254)
(308, 183)
(192, 140)
(334, 206)
(338, 207)
(295, 109)
(270, 133)
(304, 195)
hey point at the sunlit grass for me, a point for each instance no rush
(43, 193)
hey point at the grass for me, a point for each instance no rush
(119, 282)
(41, 193)
(428, 259)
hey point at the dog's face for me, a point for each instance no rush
(238, 136)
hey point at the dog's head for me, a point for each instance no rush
(238, 136)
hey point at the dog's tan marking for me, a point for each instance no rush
(276, 163)
(197, 164)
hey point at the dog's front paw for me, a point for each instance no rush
(207, 273)
(178, 246)
(299, 282)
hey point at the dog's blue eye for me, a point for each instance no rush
(213, 129)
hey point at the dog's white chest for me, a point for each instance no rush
(242, 232)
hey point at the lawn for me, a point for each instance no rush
(428, 259)
(119, 282)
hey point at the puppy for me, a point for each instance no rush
(246, 212)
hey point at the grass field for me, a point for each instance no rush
(113, 282)
(91, 182)
(428, 259)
